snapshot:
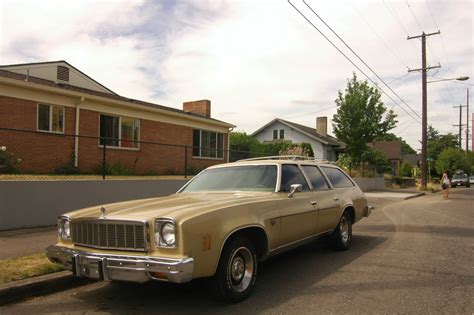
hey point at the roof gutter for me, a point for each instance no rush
(110, 101)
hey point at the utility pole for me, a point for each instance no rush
(424, 121)
(460, 124)
(467, 125)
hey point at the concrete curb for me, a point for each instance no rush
(36, 286)
(415, 196)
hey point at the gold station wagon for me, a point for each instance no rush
(220, 225)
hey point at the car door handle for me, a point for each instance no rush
(313, 203)
(336, 198)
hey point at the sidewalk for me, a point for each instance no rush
(26, 242)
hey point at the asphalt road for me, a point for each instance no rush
(413, 256)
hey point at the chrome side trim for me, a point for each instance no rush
(289, 246)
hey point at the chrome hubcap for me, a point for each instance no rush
(238, 267)
(344, 226)
(241, 269)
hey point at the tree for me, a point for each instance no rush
(361, 117)
(452, 159)
(437, 143)
(243, 146)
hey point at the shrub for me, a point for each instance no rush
(7, 162)
(406, 169)
(452, 159)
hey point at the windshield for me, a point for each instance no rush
(235, 178)
(461, 176)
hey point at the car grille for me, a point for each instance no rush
(125, 235)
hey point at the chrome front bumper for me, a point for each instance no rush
(121, 267)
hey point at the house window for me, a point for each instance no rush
(275, 134)
(282, 133)
(119, 131)
(208, 144)
(51, 118)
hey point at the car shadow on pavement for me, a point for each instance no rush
(281, 278)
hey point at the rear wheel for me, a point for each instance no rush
(237, 271)
(342, 236)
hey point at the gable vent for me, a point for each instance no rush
(63, 74)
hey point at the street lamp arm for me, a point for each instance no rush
(463, 78)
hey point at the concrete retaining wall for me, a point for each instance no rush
(368, 184)
(26, 204)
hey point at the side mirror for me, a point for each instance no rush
(294, 188)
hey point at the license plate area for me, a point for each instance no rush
(90, 267)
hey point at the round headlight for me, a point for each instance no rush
(66, 229)
(168, 234)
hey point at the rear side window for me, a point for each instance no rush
(291, 174)
(337, 177)
(315, 177)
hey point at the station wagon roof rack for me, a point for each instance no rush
(289, 157)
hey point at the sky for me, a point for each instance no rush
(256, 59)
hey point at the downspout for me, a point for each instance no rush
(76, 133)
(228, 144)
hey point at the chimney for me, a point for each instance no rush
(202, 107)
(322, 125)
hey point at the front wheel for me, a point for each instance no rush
(342, 236)
(237, 271)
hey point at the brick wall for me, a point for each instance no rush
(34, 152)
(45, 152)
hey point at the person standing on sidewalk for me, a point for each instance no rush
(445, 184)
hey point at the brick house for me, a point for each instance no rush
(393, 151)
(66, 118)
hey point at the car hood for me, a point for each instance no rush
(178, 206)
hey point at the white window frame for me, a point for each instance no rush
(50, 118)
(217, 143)
(119, 147)
(279, 134)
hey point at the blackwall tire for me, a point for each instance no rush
(341, 238)
(237, 271)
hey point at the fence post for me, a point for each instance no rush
(185, 161)
(104, 167)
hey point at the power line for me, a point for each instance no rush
(436, 59)
(318, 111)
(442, 45)
(432, 16)
(378, 36)
(358, 57)
(399, 78)
(397, 19)
(413, 14)
(342, 53)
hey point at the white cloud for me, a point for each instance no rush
(256, 60)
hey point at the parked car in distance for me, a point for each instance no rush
(221, 224)
(460, 180)
(471, 179)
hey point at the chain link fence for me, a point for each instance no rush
(30, 155)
